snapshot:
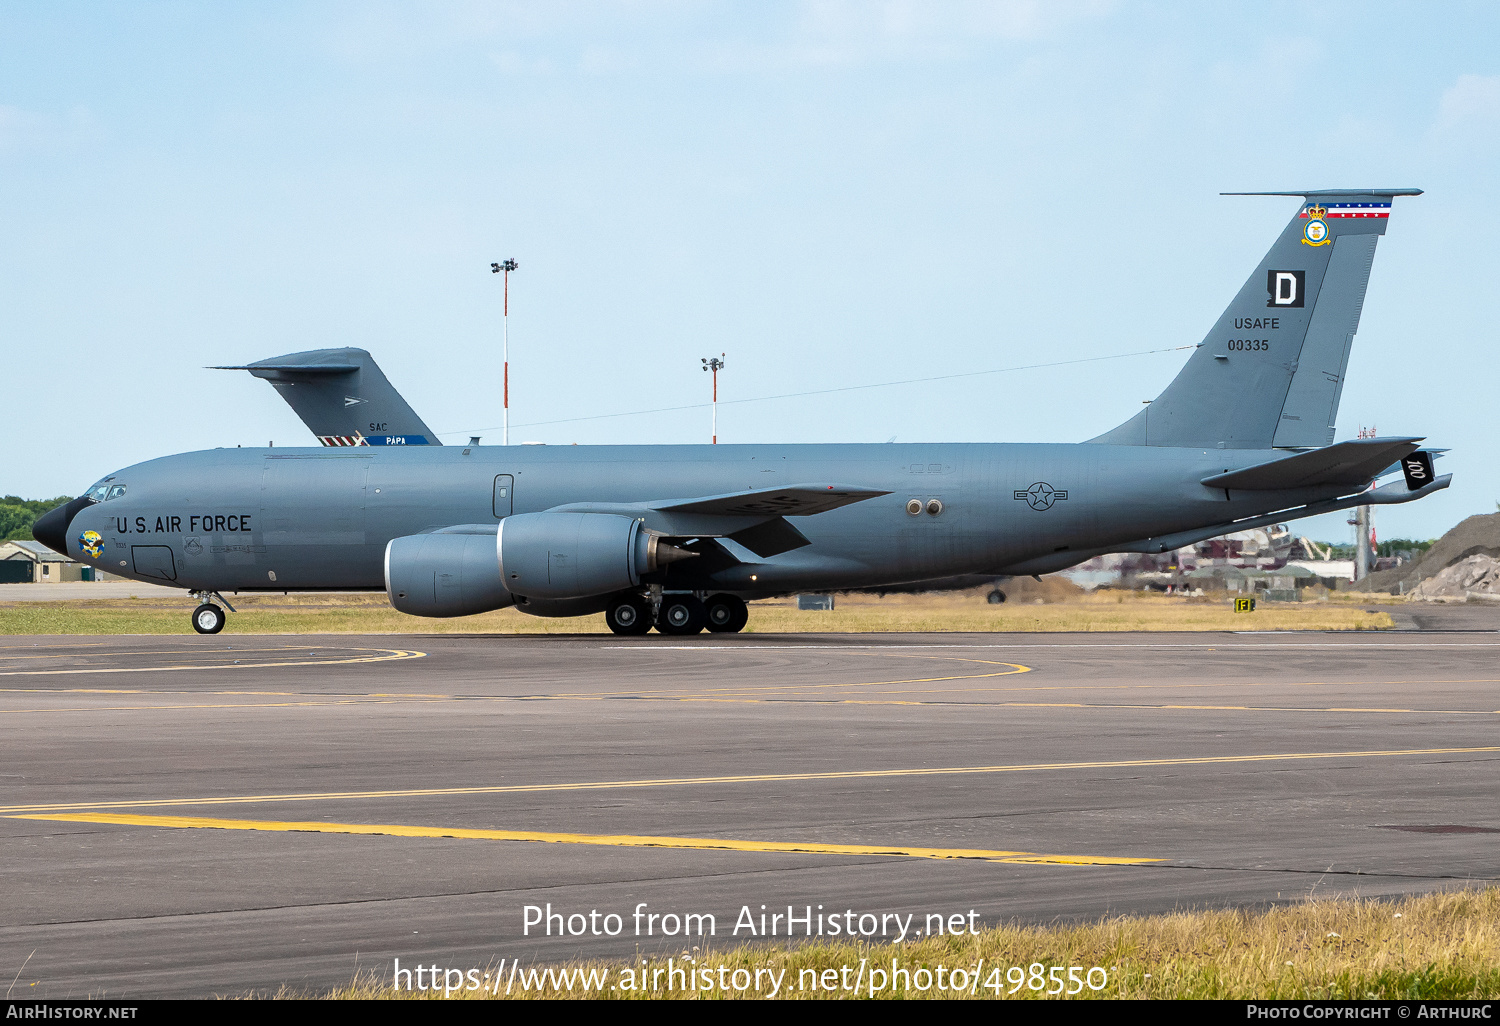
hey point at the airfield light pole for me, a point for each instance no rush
(505, 268)
(1364, 530)
(714, 364)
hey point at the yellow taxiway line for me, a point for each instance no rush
(612, 840)
(386, 655)
(740, 689)
(759, 778)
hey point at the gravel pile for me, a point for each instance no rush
(1475, 577)
(1476, 536)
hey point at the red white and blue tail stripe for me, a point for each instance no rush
(1366, 209)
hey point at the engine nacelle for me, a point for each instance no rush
(575, 555)
(444, 575)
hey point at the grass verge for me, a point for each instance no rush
(1442, 946)
(345, 613)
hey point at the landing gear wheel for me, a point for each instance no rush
(681, 614)
(996, 597)
(727, 614)
(628, 614)
(208, 619)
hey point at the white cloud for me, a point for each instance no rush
(855, 31)
(614, 36)
(30, 130)
(16, 125)
(512, 62)
(1471, 106)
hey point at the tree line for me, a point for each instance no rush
(18, 514)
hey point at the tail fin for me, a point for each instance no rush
(1270, 373)
(343, 398)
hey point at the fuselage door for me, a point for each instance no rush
(505, 503)
(154, 561)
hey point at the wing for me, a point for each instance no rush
(755, 518)
(801, 500)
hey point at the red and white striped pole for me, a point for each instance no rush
(714, 365)
(505, 269)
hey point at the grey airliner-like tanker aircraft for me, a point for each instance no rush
(338, 418)
(679, 536)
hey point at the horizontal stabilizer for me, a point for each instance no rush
(290, 368)
(800, 500)
(1355, 462)
(1386, 495)
(1314, 193)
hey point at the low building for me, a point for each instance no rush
(1263, 548)
(1282, 584)
(1331, 570)
(31, 561)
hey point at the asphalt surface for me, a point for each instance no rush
(72, 591)
(224, 815)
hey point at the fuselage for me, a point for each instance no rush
(310, 519)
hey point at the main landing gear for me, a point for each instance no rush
(678, 614)
(209, 618)
(727, 614)
(628, 614)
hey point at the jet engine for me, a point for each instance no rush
(561, 555)
(444, 575)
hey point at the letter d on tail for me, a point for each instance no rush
(1285, 288)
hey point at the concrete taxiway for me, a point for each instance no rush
(193, 816)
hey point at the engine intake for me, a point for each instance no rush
(444, 575)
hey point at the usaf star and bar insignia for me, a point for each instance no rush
(1040, 495)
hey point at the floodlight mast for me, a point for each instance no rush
(715, 364)
(505, 268)
(1363, 523)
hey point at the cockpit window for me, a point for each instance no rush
(104, 492)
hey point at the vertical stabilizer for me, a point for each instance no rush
(343, 397)
(1271, 371)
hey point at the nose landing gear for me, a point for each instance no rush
(209, 618)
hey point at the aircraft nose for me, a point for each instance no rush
(51, 528)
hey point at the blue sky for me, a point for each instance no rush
(829, 193)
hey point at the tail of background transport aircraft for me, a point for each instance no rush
(343, 398)
(1270, 373)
